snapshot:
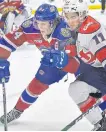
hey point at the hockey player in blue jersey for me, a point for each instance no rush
(53, 63)
(47, 30)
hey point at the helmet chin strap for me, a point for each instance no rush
(77, 28)
(82, 19)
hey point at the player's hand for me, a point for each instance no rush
(4, 70)
(55, 58)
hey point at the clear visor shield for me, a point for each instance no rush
(72, 15)
(51, 22)
(73, 19)
(45, 27)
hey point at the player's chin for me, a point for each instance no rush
(73, 28)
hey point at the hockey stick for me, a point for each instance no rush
(4, 104)
(99, 101)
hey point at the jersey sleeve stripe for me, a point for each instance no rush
(5, 47)
(101, 54)
(8, 44)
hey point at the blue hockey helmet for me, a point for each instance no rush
(46, 12)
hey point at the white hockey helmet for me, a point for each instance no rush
(79, 6)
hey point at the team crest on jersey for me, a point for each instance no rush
(27, 24)
(65, 32)
(85, 54)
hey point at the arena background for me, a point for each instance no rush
(93, 4)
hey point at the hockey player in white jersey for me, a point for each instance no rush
(21, 104)
(12, 14)
(91, 49)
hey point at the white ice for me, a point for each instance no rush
(54, 109)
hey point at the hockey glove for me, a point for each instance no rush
(55, 58)
(4, 70)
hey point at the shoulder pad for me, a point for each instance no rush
(65, 32)
(90, 25)
(27, 23)
(62, 31)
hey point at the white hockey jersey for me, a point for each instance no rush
(91, 43)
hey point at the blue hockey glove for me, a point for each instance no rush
(55, 58)
(4, 70)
